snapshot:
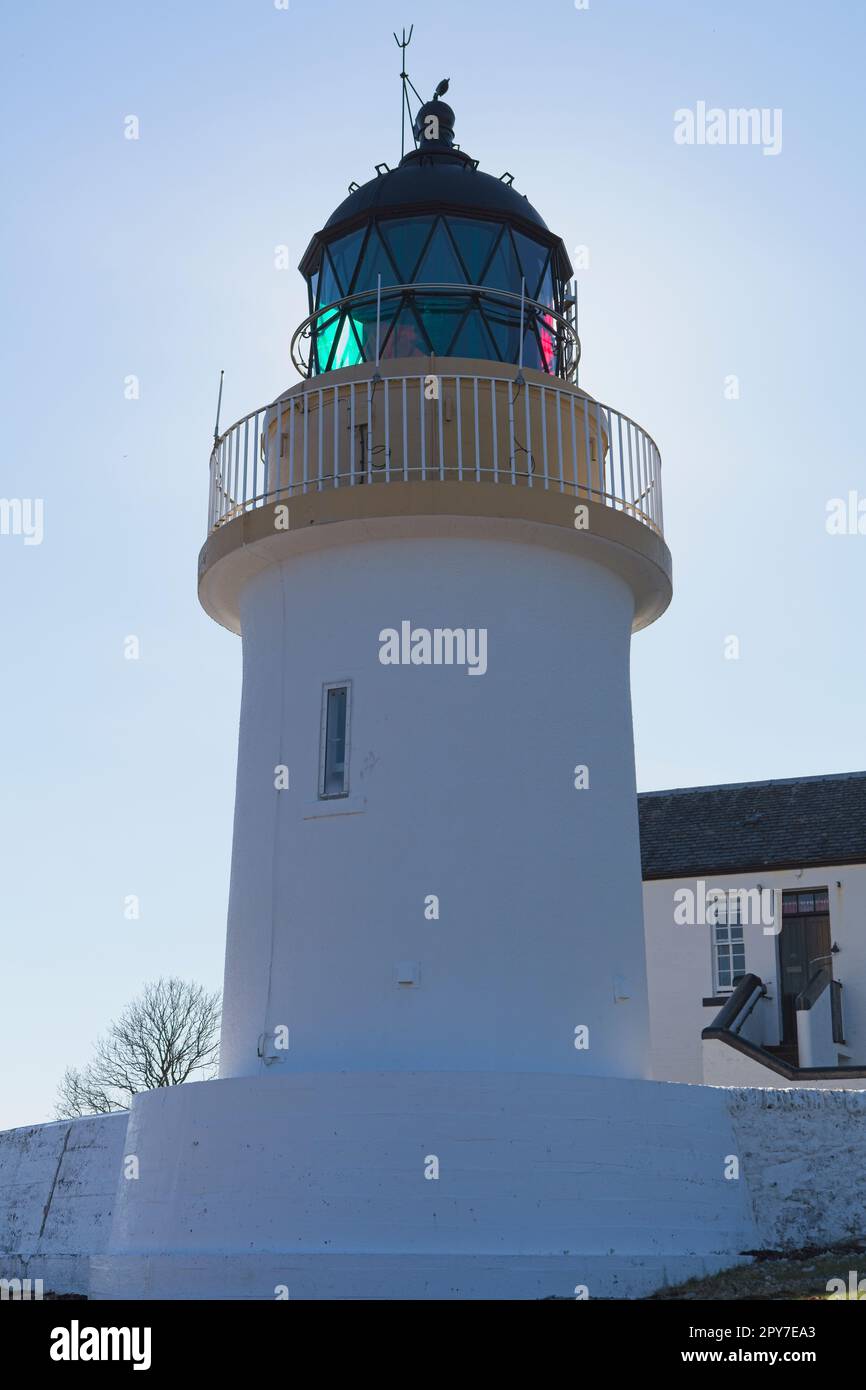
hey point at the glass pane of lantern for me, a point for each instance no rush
(473, 339)
(344, 255)
(441, 315)
(364, 314)
(374, 262)
(532, 352)
(547, 337)
(405, 338)
(533, 259)
(544, 294)
(323, 340)
(405, 238)
(439, 264)
(475, 241)
(504, 271)
(329, 288)
(342, 334)
(504, 324)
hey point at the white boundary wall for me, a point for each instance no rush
(57, 1186)
(317, 1182)
(803, 1156)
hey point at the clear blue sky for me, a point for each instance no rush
(156, 258)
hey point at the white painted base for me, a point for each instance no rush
(391, 1277)
(315, 1183)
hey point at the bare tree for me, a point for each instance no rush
(167, 1035)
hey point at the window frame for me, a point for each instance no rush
(817, 908)
(726, 943)
(324, 794)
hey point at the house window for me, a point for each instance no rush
(334, 756)
(729, 947)
(805, 904)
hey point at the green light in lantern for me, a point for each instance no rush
(347, 353)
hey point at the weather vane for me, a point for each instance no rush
(403, 44)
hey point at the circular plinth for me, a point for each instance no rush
(421, 1185)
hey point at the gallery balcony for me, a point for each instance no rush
(431, 435)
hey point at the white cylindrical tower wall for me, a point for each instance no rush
(461, 787)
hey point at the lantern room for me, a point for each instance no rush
(437, 258)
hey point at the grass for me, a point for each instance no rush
(798, 1274)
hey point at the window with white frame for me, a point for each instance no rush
(729, 947)
(334, 752)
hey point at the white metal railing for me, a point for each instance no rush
(499, 429)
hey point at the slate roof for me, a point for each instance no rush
(694, 832)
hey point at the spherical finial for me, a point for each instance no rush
(434, 123)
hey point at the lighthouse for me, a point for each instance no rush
(435, 546)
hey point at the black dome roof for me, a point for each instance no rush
(436, 178)
(450, 181)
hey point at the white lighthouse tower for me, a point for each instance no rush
(435, 548)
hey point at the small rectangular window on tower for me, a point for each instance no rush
(334, 756)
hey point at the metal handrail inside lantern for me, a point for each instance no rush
(563, 348)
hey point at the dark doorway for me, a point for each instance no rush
(804, 949)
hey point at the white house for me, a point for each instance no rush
(755, 920)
